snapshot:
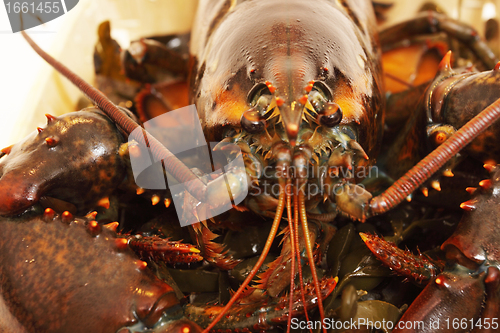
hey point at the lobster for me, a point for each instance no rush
(47, 168)
(470, 270)
(41, 270)
(470, 280)
(292, 98)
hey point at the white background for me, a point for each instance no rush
(18, 67)
(29, 88)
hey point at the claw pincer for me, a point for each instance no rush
(451, 295)
(52, 267)
(75, 158)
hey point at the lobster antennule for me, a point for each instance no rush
(296, 240)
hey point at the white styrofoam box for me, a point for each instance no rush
(30, 88)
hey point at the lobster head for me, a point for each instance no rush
(291, 76)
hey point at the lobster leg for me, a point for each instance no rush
(155, 61)
(431, 22)
(420, 268)
(53, 266)
(160, 249)
(149, 61)
(257, 316)
(278, 275)
(160, 98)
(211, 251)
(253, 272)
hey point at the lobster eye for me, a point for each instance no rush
(260, 96)
(317, 100)
(252, 121)
(320, 94)
(331, 115)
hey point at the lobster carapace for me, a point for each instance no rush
(284, 46)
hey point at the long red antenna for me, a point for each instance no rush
(174, 166)
(258, 264)
(417, 175)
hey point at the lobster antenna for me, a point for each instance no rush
(174, 166)
(292, 248)
(417, 175)
(307, 239)
(258, 264)
(299, 265)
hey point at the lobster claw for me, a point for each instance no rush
(432, 307)
(37, 166)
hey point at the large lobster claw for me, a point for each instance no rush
(353, 200)
(451, 295)
(84, 143)
(60, 274)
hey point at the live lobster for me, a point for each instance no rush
(305, 90)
